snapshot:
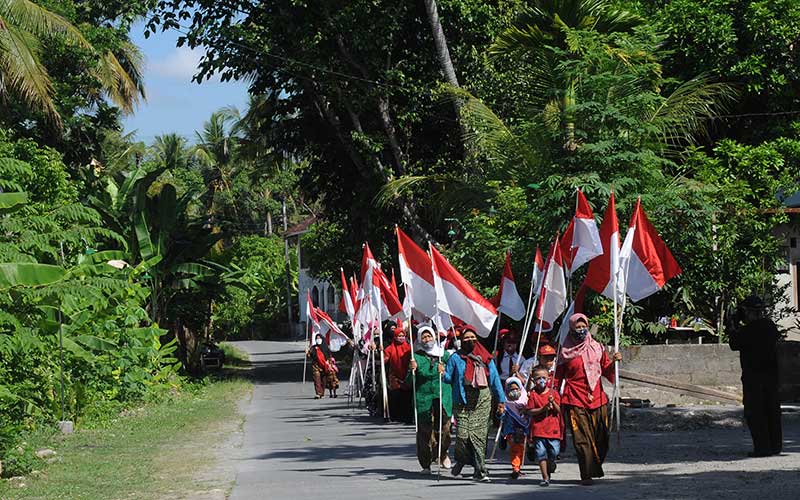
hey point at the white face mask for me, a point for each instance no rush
(318, 341)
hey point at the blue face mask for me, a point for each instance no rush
(540, 382)
(580, 333)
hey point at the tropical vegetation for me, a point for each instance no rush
(469, 123)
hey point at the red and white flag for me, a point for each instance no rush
(346, 304)
(507, 299)
(538, 271)
(553, 297)
(382, 303)
(333, 335)
(457, 297)
(603, 268)
(311, 316)
(581, 241)
(394, 285)
(416, 273)
(645, 259)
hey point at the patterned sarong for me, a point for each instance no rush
(472, 421)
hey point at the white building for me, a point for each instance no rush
(323, 294)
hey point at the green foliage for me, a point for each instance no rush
(256, 302)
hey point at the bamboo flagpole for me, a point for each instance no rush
(305, 351)
(439, 340)
(384, 390)
(411, 339)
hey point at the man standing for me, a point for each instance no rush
(509, 361)
(756, 338)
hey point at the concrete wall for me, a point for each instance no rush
(708, 365)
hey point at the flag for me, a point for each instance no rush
(576, 306)
(311, 316)
(538, 270)
(382, 302)
(456, 296)
(507, 299)
(553, 295)
(601, 269)
(346, 304)
(416, 273)
(394, 285)
(334, 336)
(645, 259)
(581, 241)
(389, 302)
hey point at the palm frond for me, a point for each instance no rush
(23, 72)
(122, 78)
(40, 22)
(686, 113)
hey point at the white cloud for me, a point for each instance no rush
(180, 64)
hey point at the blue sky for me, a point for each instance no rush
(174, 103)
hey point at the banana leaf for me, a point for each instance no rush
(12, 201)
(95, 343)
(13, 274)
(146, 248)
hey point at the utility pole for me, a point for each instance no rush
(287, 262)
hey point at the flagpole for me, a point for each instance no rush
(385, 390)
(615, 403)
(529, 318)
(617, 334)
(436, 305)
(414, 376)
(305, 357)
(496, 332)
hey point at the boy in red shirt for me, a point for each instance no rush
(544, 408)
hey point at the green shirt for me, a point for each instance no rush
(427, 380)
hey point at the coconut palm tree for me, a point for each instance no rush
(171, 151)
(23, 27)
(545, 24)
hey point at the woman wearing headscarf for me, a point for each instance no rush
(425, 369)
(474, 379)
(581, 362)
(397, 356)
(321, 369)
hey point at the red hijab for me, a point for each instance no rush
(399, 354)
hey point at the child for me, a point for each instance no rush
(514, 423)
(333, 378)
(544, 408)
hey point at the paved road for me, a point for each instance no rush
(295, 447)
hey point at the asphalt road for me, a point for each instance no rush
(296, 447)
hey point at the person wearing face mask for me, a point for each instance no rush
(756, 338)
(515, 423)
(425, 369)
(546, 357)
(397, 356)
(581, 363)
(473, 375)
(321, 370)
(544, 408)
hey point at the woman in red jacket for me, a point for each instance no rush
(581, 363)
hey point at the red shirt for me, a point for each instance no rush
(576, 389)
(545, 425)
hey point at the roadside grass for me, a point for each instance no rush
(161, 450)
(234, 356)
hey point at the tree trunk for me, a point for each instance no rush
(440, 42)
(443, 56)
